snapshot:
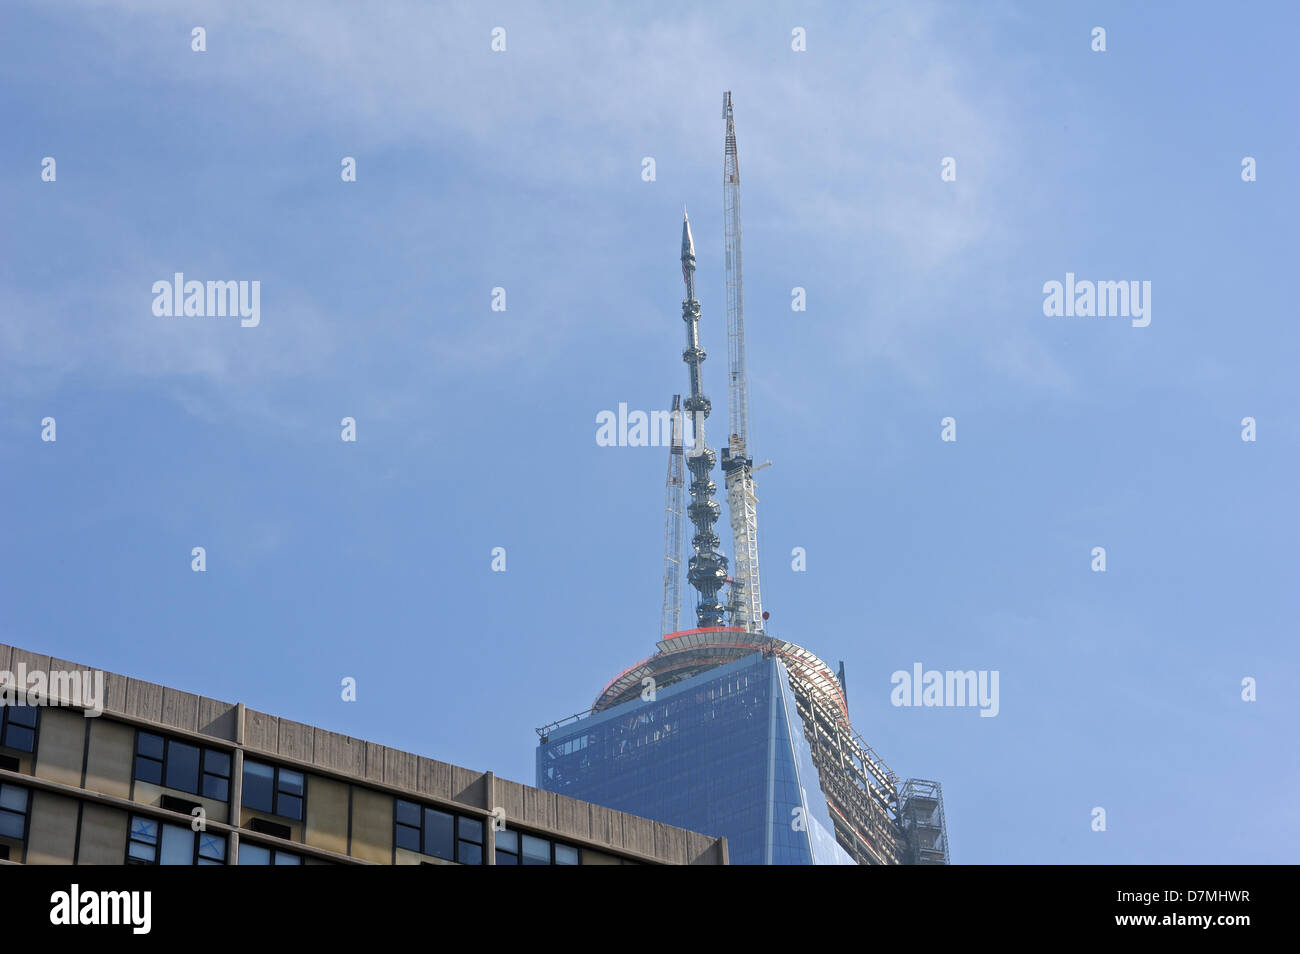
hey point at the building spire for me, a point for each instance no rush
(708, 568)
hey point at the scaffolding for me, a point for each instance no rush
(921, 816)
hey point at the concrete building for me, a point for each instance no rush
(130, 785)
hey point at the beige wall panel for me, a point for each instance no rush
(112, 749)
(327, 814)
(60, 745)
(372, 826)
(52, 836)
(103, 836)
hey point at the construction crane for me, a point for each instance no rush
(746, 603)
(674, 507)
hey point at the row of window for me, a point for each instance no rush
(438, 834)
(518, 848)
(198, 770)
(151, 842)
(251, 854)
(205, 771)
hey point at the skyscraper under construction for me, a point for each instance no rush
(728, 729)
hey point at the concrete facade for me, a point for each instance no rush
(85, 803)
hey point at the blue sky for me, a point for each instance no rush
(476, 428)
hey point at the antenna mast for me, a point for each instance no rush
(708, 567)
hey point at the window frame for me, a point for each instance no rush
(26, 816)
(197, 856)
(272, 854)
(459, 823)
(517, 853)
(276, 792)
(202, 772)
(6, 721)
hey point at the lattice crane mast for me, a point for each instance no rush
(746, 603)
(674, 511)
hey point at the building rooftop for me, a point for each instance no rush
(309, 748)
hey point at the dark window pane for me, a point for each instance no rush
(506, 858)
(147, 770)
(11, 825)
(508, 841)
(258, 786)
(22, 715)
(468, 853)
(290, 782)
(537, 851)
(16, 737)
(566, 855)
(214, 787)
(13, 798)
(250, 854)
(438, 835)
(290, 806)
(408, 813)
(216, 763)
(150, 745)
(408, 837)
(183, 766)
(471, 829)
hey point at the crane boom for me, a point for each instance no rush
(746, 604)
(674, 507)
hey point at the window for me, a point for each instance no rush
(507, 847)
(537, 851)
(566, 854)
(469, 841)
(518, 848)
(151, 842)
(182, 766)
(438, 834)
(13, 812)
(269, 788)
(18, 727)
(251, 854)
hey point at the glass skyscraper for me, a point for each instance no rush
(714, 753)
(746, 736)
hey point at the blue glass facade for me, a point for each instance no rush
(714, 753)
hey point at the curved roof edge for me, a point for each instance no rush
(691, 651)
